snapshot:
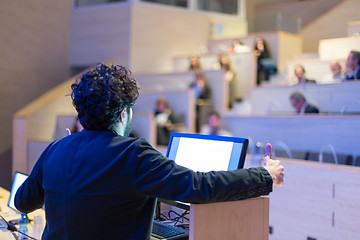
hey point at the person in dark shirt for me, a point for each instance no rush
(201, 88)
(265, 65)
(101, 184)
(300, 104)
(164, 119)
(300, 75)
(352, 66)
(203, 95)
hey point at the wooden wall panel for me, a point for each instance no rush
(34, 54)
(316, 200)
(100, 33)
(333, 24)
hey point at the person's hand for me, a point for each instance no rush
(68, 132)
(348, 72)
(274, 167)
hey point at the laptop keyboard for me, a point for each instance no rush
(162, 230)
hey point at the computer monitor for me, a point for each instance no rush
(19, 178)
(205, 153)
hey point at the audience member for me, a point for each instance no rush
(336, 71)
(265, 65)
(203, 94)
(164, 121)
(214, 126)
(238, 47)
(225, 64)
(194, 63)
(300, 75)
(352, 71)
(298, 101)
(201, 88)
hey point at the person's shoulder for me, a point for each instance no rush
(137, 142)
(311, 109)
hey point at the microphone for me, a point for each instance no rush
(6, 225)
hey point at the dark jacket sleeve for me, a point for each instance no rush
(159, 177)
(30, 195)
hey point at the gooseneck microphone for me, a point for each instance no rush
(8, 226)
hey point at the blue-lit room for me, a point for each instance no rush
(252, 72)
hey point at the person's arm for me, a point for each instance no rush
(157, 176)
(30, 195)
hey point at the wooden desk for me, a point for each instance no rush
(246, 219)
(320, 201)
(10, 214)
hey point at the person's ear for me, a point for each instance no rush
(123, 115)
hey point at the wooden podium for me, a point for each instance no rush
(245, 219)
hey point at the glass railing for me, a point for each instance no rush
(177, 3)
(274, 22)
(219, 6)
(81, 3)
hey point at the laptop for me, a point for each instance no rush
(205, 153)
(19, 178)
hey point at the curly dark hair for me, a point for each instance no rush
(100, 94)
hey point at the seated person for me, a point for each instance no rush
(266, 67)
(164, 121)
(225, 64)
(300, 75)
(298, 101)
(203, 96)
(238, 47)
(201, 88)
(214, 126)
(336, 71)
(352, 66)
(194, 64)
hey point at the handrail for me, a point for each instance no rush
(343, 110)
(332, 150)
(273, 105)
(251, 146)
(284, 147)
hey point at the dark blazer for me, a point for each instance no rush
(356, 75)
(309, 81)
(311, 109)
(98, 185)
(206, 92)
